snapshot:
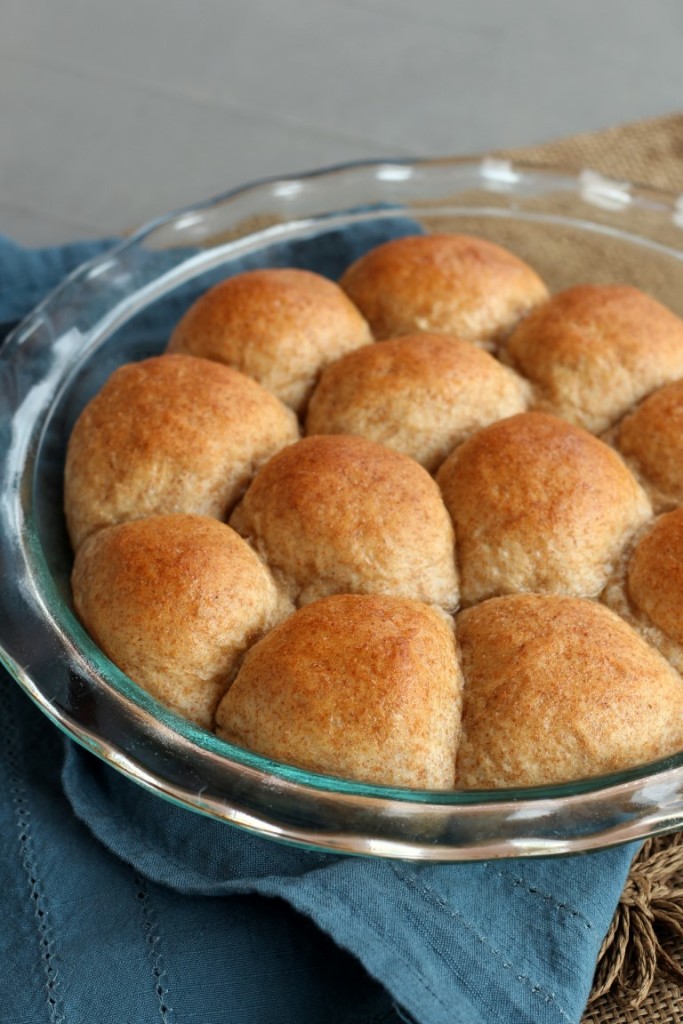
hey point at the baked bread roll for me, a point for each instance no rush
(279, 326)
(169, 434)
(174, 601)
(648, 589)
(448, 284)
(362, 687)
(559, 688)
(538, 505)
(651, 440)
(339, 514)
(420, 394)
(593, 351)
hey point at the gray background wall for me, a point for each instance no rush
(114, 113)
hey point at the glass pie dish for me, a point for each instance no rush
(571, 227)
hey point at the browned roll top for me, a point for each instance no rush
(448, 284)
(174, 601)
(421, 395)
(538, 505)
(651, 440)
(169, 434)
(339, 514)
(593, 351)
(279, 326)
(361, 686)
(559, 688)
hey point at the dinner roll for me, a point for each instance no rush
(593, 351)
(169, 434)
(538, 505)
(651, 440)
(449, 284)
(339, 514)
(421, 395)
(359, 686)
(559, 688)
(648, 590)
(174, 601)
(279, 326)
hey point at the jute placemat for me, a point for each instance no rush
(648, 152)
(639, 977)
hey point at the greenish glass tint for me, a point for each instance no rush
(571, 227)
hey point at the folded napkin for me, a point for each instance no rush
(121, 908)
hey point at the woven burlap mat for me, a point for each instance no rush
(640, 967)
(649, 152)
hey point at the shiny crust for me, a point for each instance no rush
(174, 601)
(448, 284)
(169, 434)
(559, 688)
(538, 505)
(279, 326)
(421, 395)
(339, 514)
(651, 439)
(593, 351)
(363, 687)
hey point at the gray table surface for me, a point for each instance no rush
(115, 113)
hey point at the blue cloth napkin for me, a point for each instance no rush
(123, 909)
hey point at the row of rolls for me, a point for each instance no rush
(421, 528)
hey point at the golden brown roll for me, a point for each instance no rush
(559, 688)
(359, 686)
(448, 284)
(593, 351)
(174, 601)
(538, 505)
(279, 326)
(169, 434)
(420, 394)
(648, 589)
(651, 440)
(339, 514)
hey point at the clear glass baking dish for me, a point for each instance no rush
(571, 227)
